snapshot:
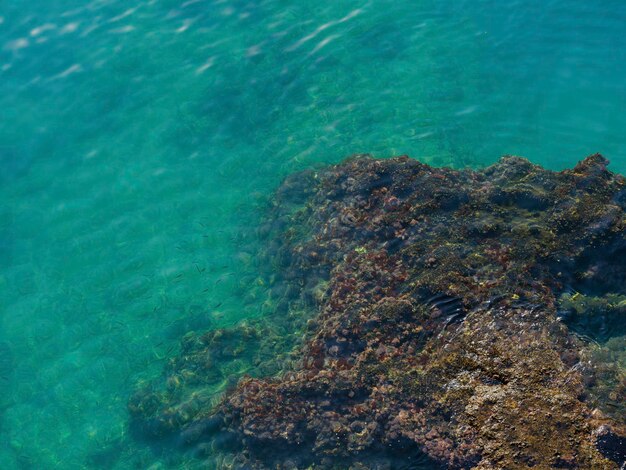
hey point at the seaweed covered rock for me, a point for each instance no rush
(448, 328)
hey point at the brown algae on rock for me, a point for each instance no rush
(428, 318)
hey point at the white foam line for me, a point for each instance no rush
(89, 30)
(324, 42)
(122, 30)
(128, 12)
(42, 29)
(208, 64)
(350, 15)
(69, 28)
(185, 26)
(69, 71)
(322, 28)
(17, 44)
(307, 38)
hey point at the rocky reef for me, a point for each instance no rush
(429, 318)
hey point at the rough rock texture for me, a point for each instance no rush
(449, 328)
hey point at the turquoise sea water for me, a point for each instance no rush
(140, 142)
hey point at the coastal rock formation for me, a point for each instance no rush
(441, 319)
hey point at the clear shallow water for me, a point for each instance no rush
(140, 143)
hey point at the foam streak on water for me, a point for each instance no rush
(140, 142)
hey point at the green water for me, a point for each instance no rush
(140, 142)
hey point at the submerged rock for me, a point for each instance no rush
(442, 336)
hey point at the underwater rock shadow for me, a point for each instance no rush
(436, 329)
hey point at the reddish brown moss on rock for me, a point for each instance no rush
(439, 332)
